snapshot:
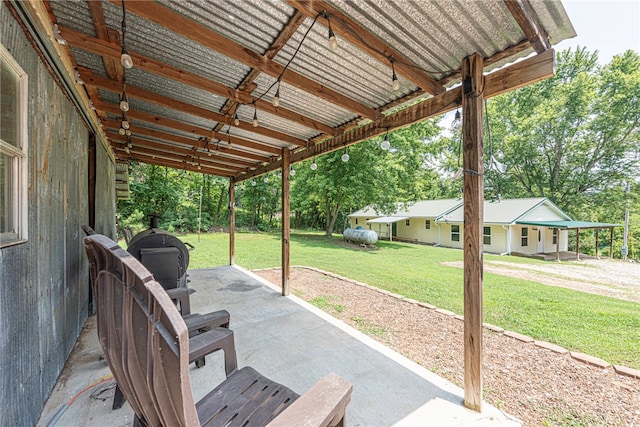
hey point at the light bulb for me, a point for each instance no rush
(126, 150)
(209, 153)
(124, 105)
(395, 85)
(125, 59)
(236, 120)
(457, 121)
(121, 131)
(255, 119)
(199, 167)
(385, 145)
(254, 183)
(276, 98)
(314, 165)
(125, 124)
(266, 179)
(129, 145)
(127, 132)
(333, 41)
(345, 157)
(292, 172)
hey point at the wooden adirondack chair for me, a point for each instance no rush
(146, 343)
(201, 344)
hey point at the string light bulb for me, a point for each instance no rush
(292, 171)
(333, 41)
(276, 98)
(125, 59)
(266, 179)
(127, 132)
(236, 120)
(124, 102)
(121, 131)
(125, 124)
(254, 183)
(345, 156)
(129, 144)
(395, 83)
(314, 165)
(255, 116)
(457, 121)
(385, 144)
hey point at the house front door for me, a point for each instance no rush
(540, 248)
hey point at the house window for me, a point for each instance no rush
(427, 224)
(555, 236)
(524, 237)
(356, 221)
(13, 150)
(407, 222)
(486, 237)
(455, 233)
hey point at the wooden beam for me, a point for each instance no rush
(517, 75)
(525, 17)
(122, 155)
(91, 79)
(111, 65)
(473, 165)
(286, 227)
(360, 37)
(192, 30)
(112, 50)
(198, 132)
(232, 221)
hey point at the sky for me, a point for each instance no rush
(609, 26)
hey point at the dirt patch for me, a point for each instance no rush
(538, 386)
(616, 279)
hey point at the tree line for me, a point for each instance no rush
(574, 138)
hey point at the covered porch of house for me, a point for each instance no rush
(293, 343)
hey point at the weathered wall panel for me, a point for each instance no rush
(44, 282)
(105, 193)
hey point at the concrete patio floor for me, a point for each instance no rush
(291, 342)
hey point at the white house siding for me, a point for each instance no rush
(498, 239)
(445, 230)
(417, 230)
(542, 212)
(516, 240)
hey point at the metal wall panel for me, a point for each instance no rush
(44, 282)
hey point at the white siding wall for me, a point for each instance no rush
(417, 230)
(446, 236)
(498, 240)
(542, 213)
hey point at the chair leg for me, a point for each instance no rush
(118, 399)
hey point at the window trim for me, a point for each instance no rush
(19, 155)
(486, 235)
(455, 233)
(427, 224)
(524, 237)
(554, 236)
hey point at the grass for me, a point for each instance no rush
(601, 326)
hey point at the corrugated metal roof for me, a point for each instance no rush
(503, 211)
(326, 89)
(569, 224)
(420, 209)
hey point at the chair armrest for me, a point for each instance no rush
(205, 322)
(322, 405)
(182, 296)
(213, 340)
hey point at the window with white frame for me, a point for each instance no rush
(455, 233)
(13, 151)
(427, 224)
(524, 237)
(486, 235)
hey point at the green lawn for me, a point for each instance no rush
(603, 327)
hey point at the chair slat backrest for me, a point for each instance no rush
(143, 336)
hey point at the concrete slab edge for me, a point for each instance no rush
(580, 357)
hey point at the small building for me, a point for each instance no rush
(441, 223)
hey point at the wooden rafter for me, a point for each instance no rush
(91, 79)
(525, 17)
(112, 50)
(111, 65)
(348, 29)
(198, 132)
(517, 75)
(155, 160)
(192, 30)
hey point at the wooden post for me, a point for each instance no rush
(577, 244)
(557, 244)
(611, 243)
(232, 221)
(473, 164)
(597, 230)
(286, 227)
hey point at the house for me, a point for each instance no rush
(507, 227)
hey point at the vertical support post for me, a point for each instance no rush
(577, 244)
(597, 231)
(286, 223)
(473, 163)
(611, 242)
(232, 221)
(557, 244)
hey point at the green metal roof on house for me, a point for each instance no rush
(568, 224)
(508, 211)
(420, 209)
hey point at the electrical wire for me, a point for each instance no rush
(66, 406)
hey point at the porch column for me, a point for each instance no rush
(577, 244)
(286, 227)
(597, 230)
(473, 164)
(232, 221)
(611, 242)
(558, 244)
